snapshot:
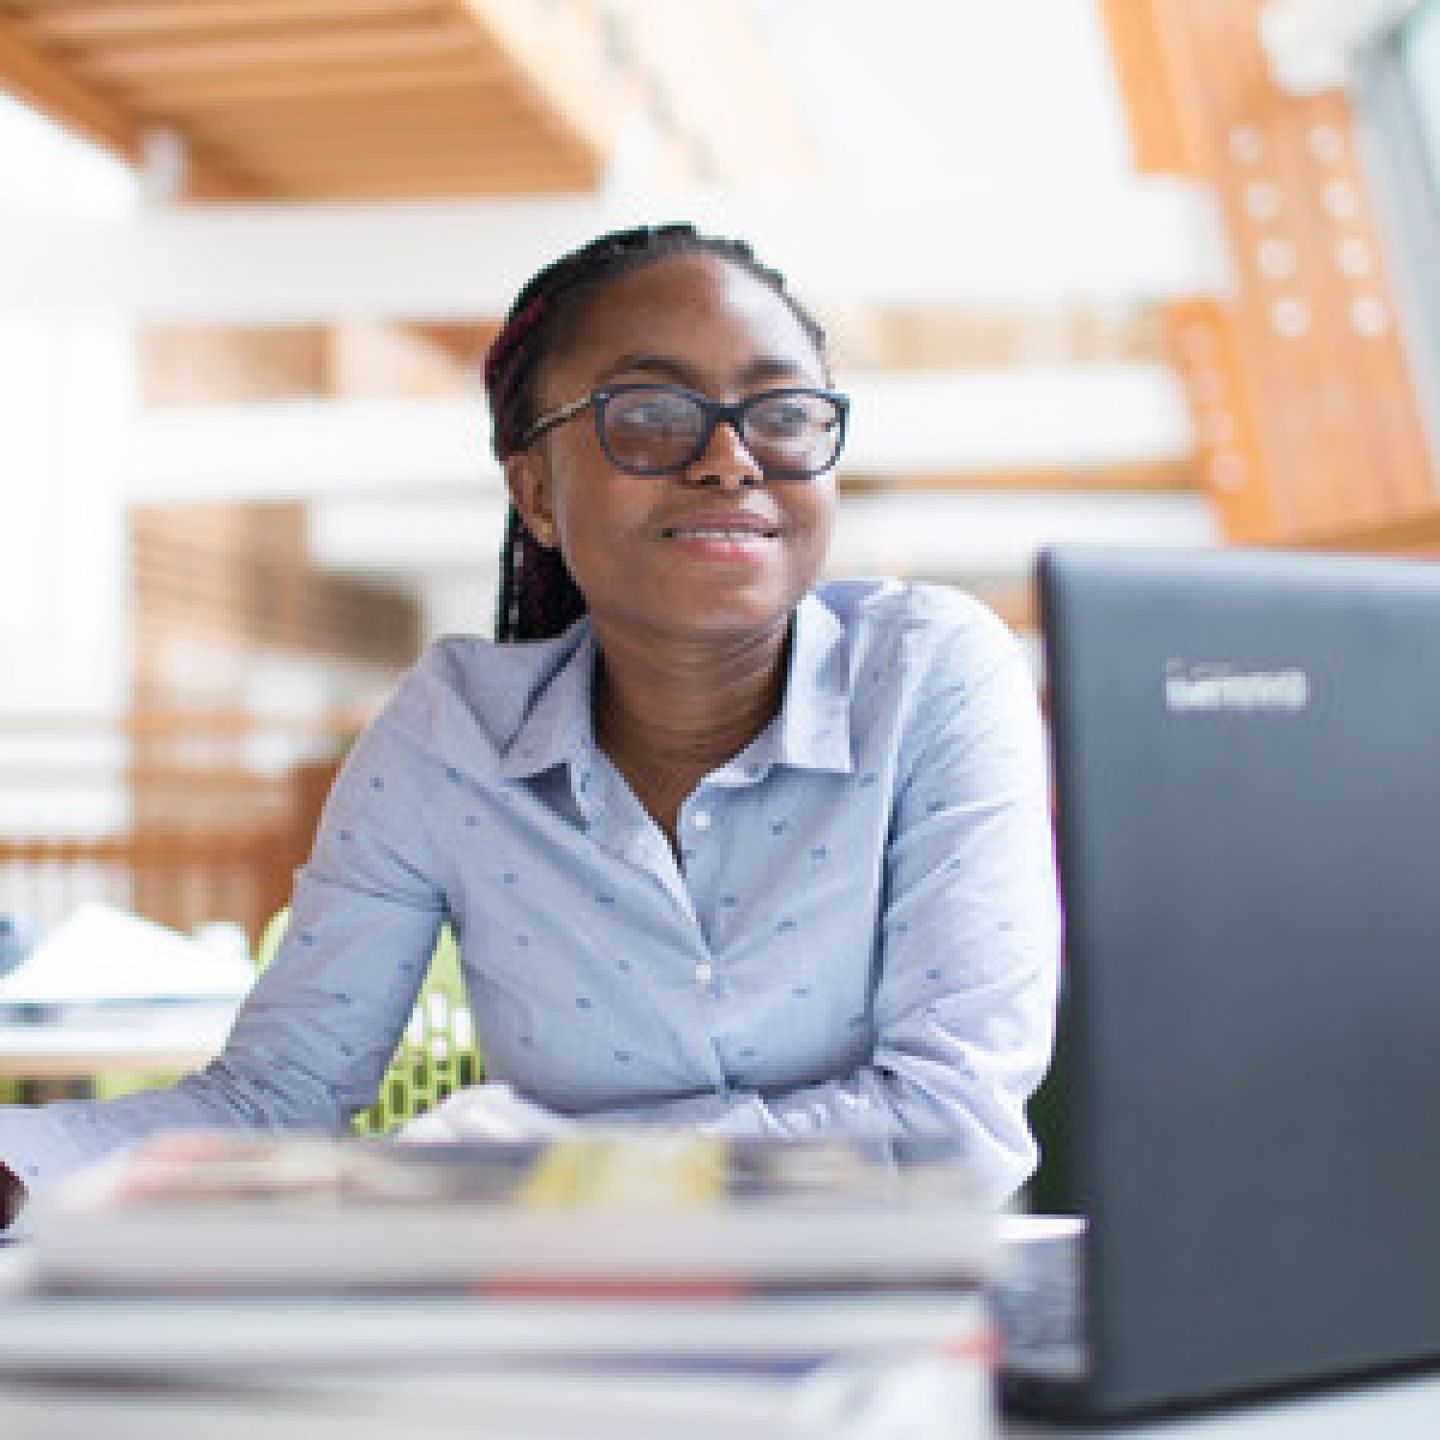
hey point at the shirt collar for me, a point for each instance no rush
(812, 729)
(556, 729)
(810, 732)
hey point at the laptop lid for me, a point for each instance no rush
(1247, 752)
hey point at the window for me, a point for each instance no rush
(1398, 113)
(1418, 46)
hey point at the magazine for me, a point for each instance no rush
(270, 1336)
(634, 1284)
(625, 1213)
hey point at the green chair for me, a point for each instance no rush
(436, 1055)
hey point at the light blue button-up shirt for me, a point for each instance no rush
(859, 936)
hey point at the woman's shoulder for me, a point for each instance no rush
(877, 610)
(467, 688)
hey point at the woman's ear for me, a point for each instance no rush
(526, 481)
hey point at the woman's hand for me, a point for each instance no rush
(491, 1111)
(12, 1195)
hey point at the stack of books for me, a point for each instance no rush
(633, 1284)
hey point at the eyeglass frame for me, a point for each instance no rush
(713, 411)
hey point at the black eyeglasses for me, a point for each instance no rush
(793, 433)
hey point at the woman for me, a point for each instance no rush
(722, 848)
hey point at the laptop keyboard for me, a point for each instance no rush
(1038, 1306)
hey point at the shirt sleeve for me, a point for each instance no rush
(314, 1036)
(965, 1004)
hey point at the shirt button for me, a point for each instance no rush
(703, 971)
(701, 820)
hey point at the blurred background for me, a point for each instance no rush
(1140, 271)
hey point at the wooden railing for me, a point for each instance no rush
(182, 879)
(209, 836)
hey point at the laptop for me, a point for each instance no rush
(1246, 1104)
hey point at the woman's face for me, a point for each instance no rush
(645, 549)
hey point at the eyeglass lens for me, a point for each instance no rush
(654, 429)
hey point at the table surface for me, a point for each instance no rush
(169, 1037)
(1394, 1408)
(440, 1408)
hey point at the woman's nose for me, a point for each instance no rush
(726, 461)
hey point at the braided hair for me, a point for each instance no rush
(538, 595)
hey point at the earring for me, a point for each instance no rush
(544, 531)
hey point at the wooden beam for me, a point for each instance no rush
(1144, 68)
(36, 77)
(560, 57)
(517, 137)
(1414, 534)
(90, 24)
(1204, 349)
(321, 85)
(471, 106)
(1147, 477)
(693, 60)
(1302, 399)
(288, 50)
(41, 81)
(382, 162)
(428, 185)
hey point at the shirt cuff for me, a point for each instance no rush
(38, 1148)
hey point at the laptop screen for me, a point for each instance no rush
(1247, 752)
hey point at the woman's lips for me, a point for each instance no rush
(743, 543)
(716, 532)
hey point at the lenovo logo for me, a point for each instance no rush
(1220, 687)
